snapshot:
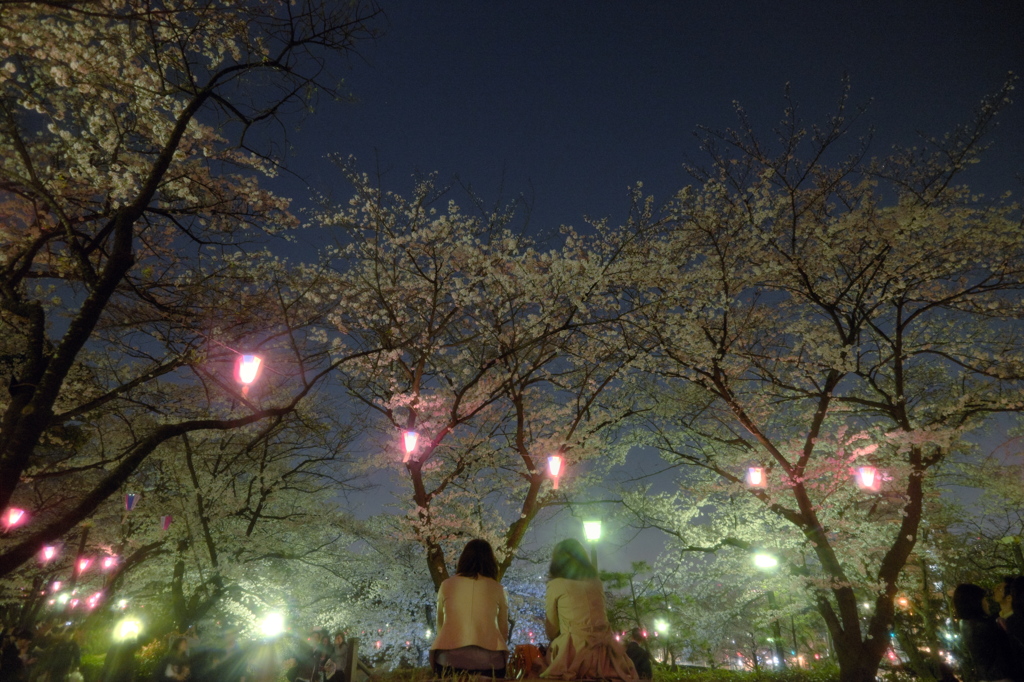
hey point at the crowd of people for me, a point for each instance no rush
(48, 655)
(992, 629)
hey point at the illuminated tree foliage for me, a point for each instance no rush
(810, 311)
(131, 265)
(496, 352)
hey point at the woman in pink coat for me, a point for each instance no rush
(472, 617)
(582, 644)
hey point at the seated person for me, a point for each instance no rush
(472, 617)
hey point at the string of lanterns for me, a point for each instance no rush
(247, 370)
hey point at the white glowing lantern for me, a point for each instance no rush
(13, 516)
(765, 561)
(410, 438)
(868, 478)
(592, 530)
(756, 477)
(555, 468)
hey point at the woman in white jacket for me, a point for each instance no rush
(472, 617)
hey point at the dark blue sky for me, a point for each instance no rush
(569, 103)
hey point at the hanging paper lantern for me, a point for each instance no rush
(868, 478)
(83, 564)
(165, 522)
(129, 501)
(756, 477)
(55, 586)
(13, 516)
(248, 368)
(47, 554)
(410, 438)
(554, 468)
(108, 562)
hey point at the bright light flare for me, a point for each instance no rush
(661, 626)
(765, 561)
(128, 628)
(83, 564)
(47, 554)
(272, 624)
(592, 530)
(108, 563)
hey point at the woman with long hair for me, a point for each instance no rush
(472, 617)
(582, 644)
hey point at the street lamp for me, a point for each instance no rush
(766, 562)
(272, 624)
(592, 531)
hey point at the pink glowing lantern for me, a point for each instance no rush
(73, 603)
(247, 370)
(411, 438)
(108, 562)
(13, 516)
(555, 469)
(83, 564)
(47, 554)
(756, 477)
(94, 599)
(868, 478)
(55, 586)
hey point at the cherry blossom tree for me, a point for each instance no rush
(497, 353)
(131, 265)
(811, 311)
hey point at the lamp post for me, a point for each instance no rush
(767, 562)
(592, 531)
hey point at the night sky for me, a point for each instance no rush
(570, 103)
